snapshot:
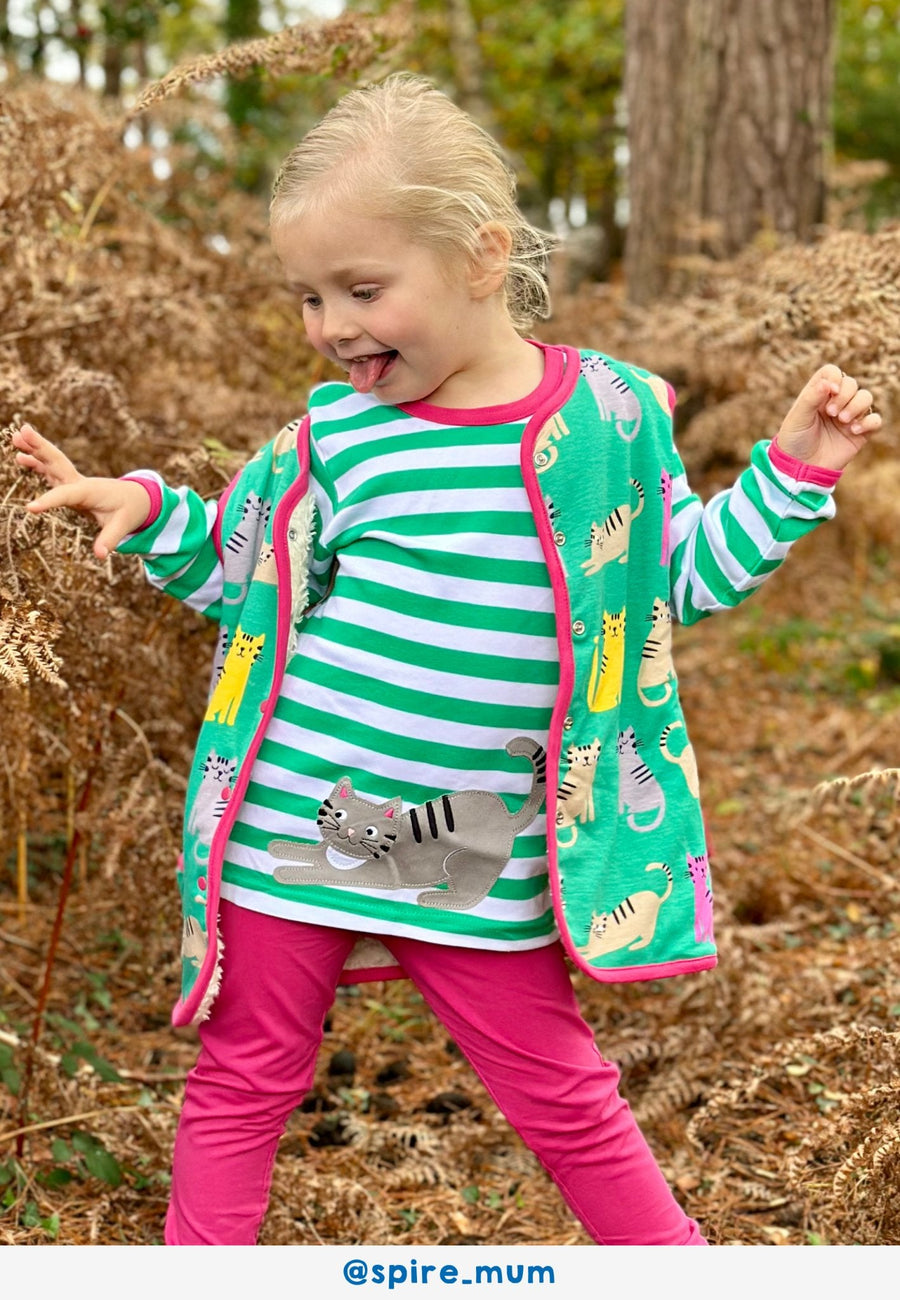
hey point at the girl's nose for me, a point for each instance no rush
(338, 327)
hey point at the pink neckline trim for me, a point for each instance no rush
(519, 410)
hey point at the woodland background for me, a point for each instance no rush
(142, 322)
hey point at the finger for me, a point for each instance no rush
(849, 401)
(858, 405)
(70, 495)
(110, 535)
(814, 398)
(26, 435)
(27, 441)
(867, 424)
(820, 390)
(37, 453)
(829, 375)
(841, 392)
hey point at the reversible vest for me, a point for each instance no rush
(627, 854)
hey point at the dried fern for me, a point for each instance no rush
(866, 788)
(342, 45)
(27, 636)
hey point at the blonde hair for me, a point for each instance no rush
(418, 158)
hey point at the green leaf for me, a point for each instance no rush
(31, 1215)
(103, 1068)
(61, 1151)
(69, 1063)
(97, 1160)
(61, 1022)
(55, 1177)
(103, 998)
(471, 1194)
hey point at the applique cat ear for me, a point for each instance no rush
(344, 789)
(391, 809)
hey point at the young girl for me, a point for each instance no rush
(451, 583)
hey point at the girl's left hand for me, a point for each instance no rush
(830, 420)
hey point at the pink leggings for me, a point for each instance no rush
(514, 1016)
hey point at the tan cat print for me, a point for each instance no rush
(609, 541)
(632, 924)
(686, 760)
(575, 797)
(656, 671)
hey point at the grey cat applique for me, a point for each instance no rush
(459, 842)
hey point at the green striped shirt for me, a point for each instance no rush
(433, 648)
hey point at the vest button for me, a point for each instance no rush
(559, 538)
(568, 724)
(578, 627)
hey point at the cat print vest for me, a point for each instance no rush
(628, 549)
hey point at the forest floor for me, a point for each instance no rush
(767, 1088)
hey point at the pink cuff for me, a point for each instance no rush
(154, 491)
(799, 470)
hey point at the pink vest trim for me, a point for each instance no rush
(186, 1009)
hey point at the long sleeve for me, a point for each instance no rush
(721, 552)
(206, 553)
(178, 544)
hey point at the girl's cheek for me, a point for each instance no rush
(314, 334)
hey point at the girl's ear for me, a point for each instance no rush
(490, 262)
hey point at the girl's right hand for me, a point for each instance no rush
(118, 506)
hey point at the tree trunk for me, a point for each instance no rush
(728, 126)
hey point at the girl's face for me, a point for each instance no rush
(402, 323)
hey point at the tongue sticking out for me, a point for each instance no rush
(365, 372)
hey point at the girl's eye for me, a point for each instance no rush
(365, 293)
(310, 300)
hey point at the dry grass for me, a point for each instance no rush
(768, 1087)
(342, 46)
